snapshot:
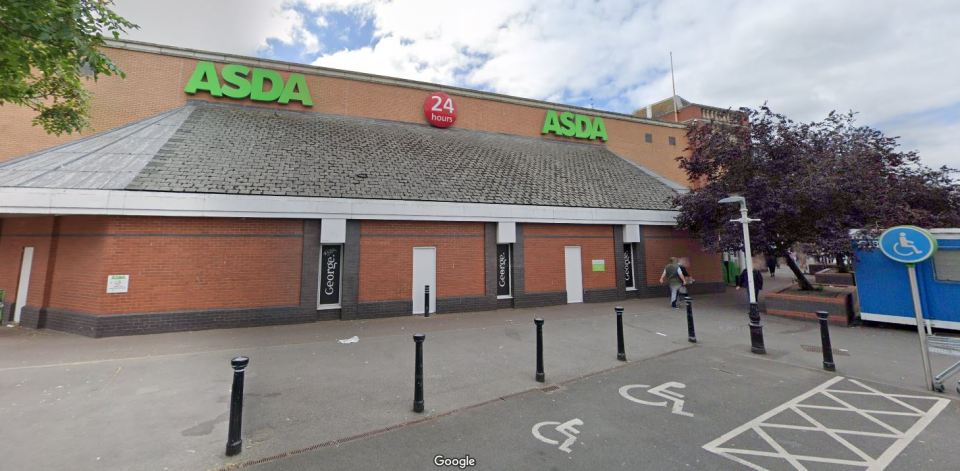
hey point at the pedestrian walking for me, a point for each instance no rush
(742, 282)
(674, 278)
(772, 265)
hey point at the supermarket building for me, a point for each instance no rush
(225, 191)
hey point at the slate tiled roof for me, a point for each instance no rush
(233, 149)
(105, 161)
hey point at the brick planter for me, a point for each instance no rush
(813, 268)
(790, 302)
(830, 276)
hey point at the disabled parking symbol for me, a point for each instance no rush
(663, 391)
(567, 429)
(907, 244)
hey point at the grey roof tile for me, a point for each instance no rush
(247, 150)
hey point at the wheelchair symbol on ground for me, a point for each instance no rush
(566, 429)
(663, 391)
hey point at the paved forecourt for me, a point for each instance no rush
(699, 408)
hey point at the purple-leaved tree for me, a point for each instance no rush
(808, 183)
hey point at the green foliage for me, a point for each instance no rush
(46, 47)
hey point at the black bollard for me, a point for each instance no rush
(621, 353)
(756, 330)
(691, 332)
(418, 374)
(828, 363)
(234, 442)
(426, 300)
(540, 377)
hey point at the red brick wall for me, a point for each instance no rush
(15, 234)
(663, 242)
(175, 264)
(386, 258)
(155, 83)
(543, 256)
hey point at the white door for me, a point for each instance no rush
(574, 275)
(25, 265)
(424, 274)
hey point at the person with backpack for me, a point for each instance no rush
(674, 278)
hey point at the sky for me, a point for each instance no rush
(894, 62)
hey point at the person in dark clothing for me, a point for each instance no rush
(742, 282)
(771, 264)
(683, 263)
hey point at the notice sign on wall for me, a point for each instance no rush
(599, 265)
(118, 284)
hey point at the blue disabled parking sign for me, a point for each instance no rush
(907, 244)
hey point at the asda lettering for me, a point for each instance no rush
(574, 125)
(240, 82)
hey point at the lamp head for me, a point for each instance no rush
(733, 200)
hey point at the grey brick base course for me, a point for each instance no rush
(444, 306)
(601, 295)
(158, 322)
(540, 299)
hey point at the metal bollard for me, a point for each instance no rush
(756, 331)
(828, 363)
(234, 442)
(540, 377)
(426, 300)
(418, 373)
(691, 332)
(621, 353)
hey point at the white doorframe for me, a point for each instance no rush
(23, 286)
(424, 274)
(574, 273)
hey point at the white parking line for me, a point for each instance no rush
(796, 405)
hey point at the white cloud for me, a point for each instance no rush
(883, 58)
(230, 26)
(294, 32)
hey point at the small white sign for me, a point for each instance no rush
(118, 284)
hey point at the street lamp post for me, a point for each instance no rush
(756, 328)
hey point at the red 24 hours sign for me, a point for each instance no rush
(439, 110)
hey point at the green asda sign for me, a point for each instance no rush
(574, 125)
(240, 82)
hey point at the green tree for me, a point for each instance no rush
(46, 48)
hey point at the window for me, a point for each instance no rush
(672, 141)
(946, 265)
(504, 263)
(628, 270)
(328, 295)
(648, 138)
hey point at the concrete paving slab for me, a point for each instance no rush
(160, 401)
(588, 424)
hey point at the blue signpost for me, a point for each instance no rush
(911, 245)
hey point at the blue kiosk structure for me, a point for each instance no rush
(884, 291)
